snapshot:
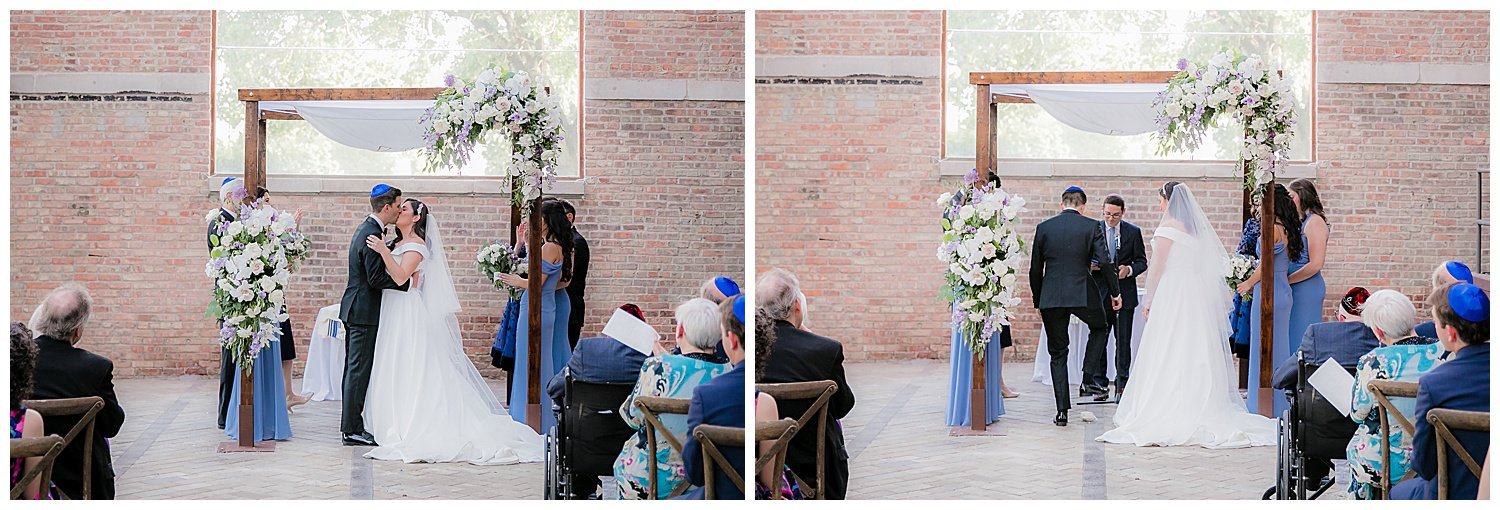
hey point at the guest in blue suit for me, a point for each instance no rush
(1461, 312)
(600, 360)
(1346, 340)
(1448, 272)
(720, 401)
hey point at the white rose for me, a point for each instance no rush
(234, 229)
(257, 266)
(268, 284)
(966, 212)
(1008, 280)
(278, 297)
(945, 199)
(526, 141)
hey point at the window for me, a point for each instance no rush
(1111, 41)
(381, 49)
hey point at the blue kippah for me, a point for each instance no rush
(1459, 270)
(379, 189)
(739, 308)
(1469, 302)
(726, 286)
(1073, 188)
(226, 181)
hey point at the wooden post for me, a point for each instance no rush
(534, 280)
(1267, 298)
(247, 410)
(255, 147)
(983, 165)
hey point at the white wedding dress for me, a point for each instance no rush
(1183, 389)
(427, 402)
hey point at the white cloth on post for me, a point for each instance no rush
(380, 126)
(323, 376)
(1106, 108)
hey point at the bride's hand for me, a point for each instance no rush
(374, 242)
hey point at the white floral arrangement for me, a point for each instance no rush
(1200, 94)
(250, 265)
(496, 259)
(1237, 269)
(982, 250)
(518, 107)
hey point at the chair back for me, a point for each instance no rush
(712, 437)
(780, 432)
(86, 409)
(592, 428)
(1382, 391)
(819, 392)
(48, 448)
(1444, 422)
(651, 409)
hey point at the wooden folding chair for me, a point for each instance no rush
(711, 437)
(650, 408)
(1444, 421)
(1383, 390)
(87, 408)
(781, 431)
(48, 448)
(820, 392)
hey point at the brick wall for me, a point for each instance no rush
(664, 44)
(846, 170)
(113, 187)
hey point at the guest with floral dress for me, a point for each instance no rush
(24, 423)
(670, 376)
(1404, 356)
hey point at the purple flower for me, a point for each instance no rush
(448, 81)
(971, 177)
(1182, 64)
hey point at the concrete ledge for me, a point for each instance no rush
(111, 83)
(663, 89)
(1054, 168)
(821, 66)
(1404, 73)
(412, 185)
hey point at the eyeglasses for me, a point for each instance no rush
(1114, 215)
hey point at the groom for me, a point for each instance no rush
(1064, 247)
(360, 311)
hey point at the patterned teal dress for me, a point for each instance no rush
(671, 376)
(1404, 361)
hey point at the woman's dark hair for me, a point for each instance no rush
(1166, 189)
(22, 363)
(1287, 217)
(765, 336)
(1470, 333)
(560, 231)
(1307, 193)
(260, 192)
(419, 228)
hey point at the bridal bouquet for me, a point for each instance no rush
(496, 259)
(506, 101)
(250, 266)
(1229, 83)
(1237, 269)
(983, 251)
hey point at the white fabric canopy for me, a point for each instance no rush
(380, 126)
(1105, 108)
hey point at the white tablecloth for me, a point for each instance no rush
(1078, 339)
(323, 376)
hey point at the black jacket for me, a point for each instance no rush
(1060, 254)
(578, 285)
(367, 278)
(1132, 252)
(799, 356)
(224, 217)
(65, 371)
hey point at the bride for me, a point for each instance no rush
(1184, 391)
(427, 402)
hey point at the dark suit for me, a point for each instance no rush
(800, 356)
(360, 311)
(1062, 285)
(226, 362)
(577, 286)
(65, 371)
(1462, 383)
(720, 401)
(599, 360)
(1343, 341)
(1131, 251)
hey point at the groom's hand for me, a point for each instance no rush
(1116, 302)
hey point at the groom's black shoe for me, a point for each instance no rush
(360, 439)
(1085, 390)
(1061, 420)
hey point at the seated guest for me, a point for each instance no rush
(719, 288)
(1403, 356)
(600, 360)
(720, 401)
(1461, 312)
(65, 371)
(1448, 272)
(24, 423)
(1345, 340)
(766, 411)
(669, 376)
(800, 356)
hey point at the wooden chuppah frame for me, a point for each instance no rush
(255, 175)
(986, 160)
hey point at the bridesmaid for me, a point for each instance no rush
(556, 266)
(962, 360)
(1308, 287)
(1288, 245)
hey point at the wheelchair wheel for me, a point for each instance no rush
(1285, 453)
(549, 473)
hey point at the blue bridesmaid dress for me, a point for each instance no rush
(1280, 343)
(551, 361)
(1307, 296)
(961, 379)
(269, 408)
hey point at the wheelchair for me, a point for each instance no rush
(588, 436)
(1310, 430)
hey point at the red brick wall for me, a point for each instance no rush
(664, 44)
(846, 173)
(113, 194)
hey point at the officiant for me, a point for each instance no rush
(1128, 251)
